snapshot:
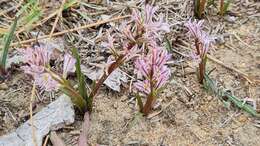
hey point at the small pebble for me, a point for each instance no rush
(231, 19)
(209, 98)
(189, 70)
(115, 105)
(3, 86)
(242, 118)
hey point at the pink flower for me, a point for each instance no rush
(46, 82)
(153, 69)
(131, 53)
(195, 28)
(142, 66)
(206, 42)
(127, 33)
(135, 36)
(37, 59)
(148, 21)
(68, 65)
(202, 38)
(143, 86)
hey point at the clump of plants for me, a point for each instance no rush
(135, 40)
(144, 34)
(51, 78)
(155, 74)
(200, 5)
(202, 43)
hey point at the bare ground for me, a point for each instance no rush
(179, 118)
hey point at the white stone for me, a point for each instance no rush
(56, 115)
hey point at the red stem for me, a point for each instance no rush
(221, 7)
(150, 99)
(197, 45)
(201, 7)
(111, 68)
(201, 72)
(202, 64)
(148, 105)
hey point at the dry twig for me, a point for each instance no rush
(31, 115)
(57, 18)
(70, 30)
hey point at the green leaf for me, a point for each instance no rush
(26, 7)
(168, 45)
(196, 7)
(226, 5)
(211, 86)
(80, 76)
(68, 4)
(139, 101)
(29, 13)
(239, 103)
(7, 41)
(32, 17)
(77, 99)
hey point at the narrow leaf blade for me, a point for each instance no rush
(80, 76)
(7, 43)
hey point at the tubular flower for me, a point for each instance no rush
(195, 28)
(202, 44)
(37, 58)
(148, 22)
(154, 71)
(141, 32)
(46, 82)
(202, 40)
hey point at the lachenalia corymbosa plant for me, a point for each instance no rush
(37, 64)
(132, 39)
(129, 41)
(202, 44)
(155, 73)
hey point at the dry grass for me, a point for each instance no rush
(186, 114)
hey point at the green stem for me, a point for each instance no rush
(67, 89)
(140, 102)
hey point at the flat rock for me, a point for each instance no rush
(56, 115)
(113, 81)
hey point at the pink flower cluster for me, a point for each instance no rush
(152, 66)
(145, 22)
(202, 39)
(144, 29)
(37, 60)
(154, 71)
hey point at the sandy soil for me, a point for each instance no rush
(180, 118)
